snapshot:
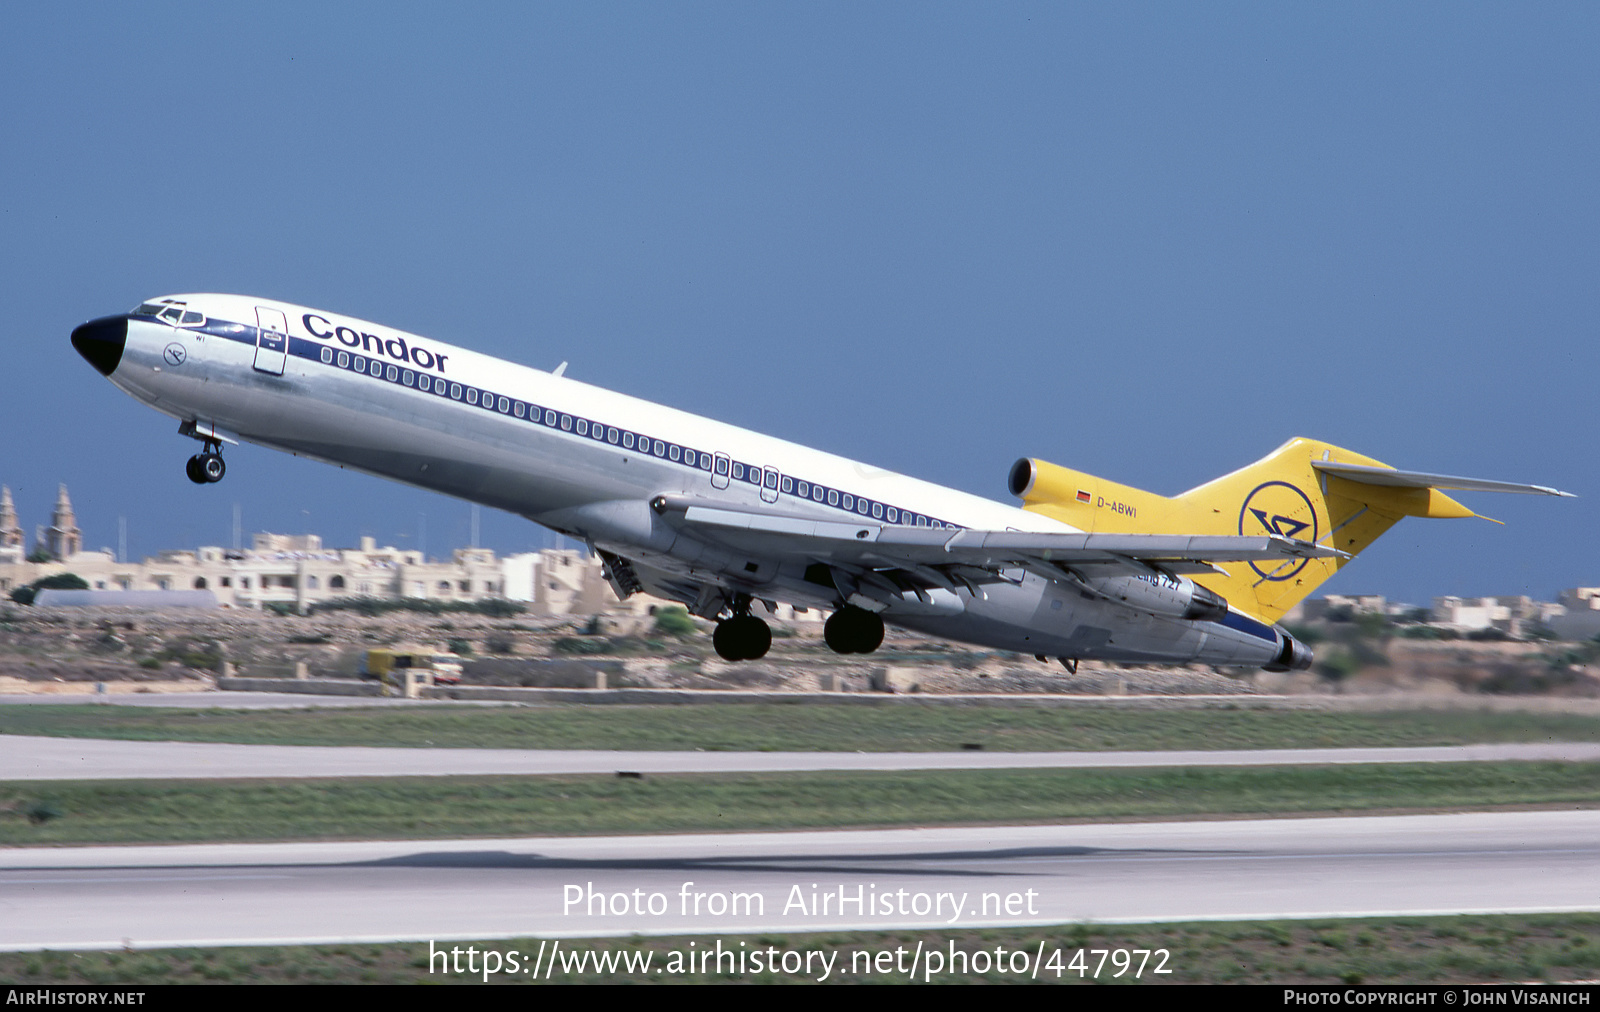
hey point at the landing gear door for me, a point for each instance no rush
(272, 340)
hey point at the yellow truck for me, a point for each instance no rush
(389, 664)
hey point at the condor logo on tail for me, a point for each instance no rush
(1277, 507)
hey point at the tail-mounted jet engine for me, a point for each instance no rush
(1292, 655)
(1159, 594)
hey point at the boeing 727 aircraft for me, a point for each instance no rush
(721, 518)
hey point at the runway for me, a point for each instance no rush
(735, 884)
(40, 758)
(214, 700)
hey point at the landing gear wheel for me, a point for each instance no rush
(836, 633)
(725, 638)
(853, 631)
(742, 638)
(206, 467)
(758, 638)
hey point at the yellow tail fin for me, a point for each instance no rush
(1283, 493)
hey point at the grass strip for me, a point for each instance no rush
(808, 728)
(82, 812)
(1422, 950)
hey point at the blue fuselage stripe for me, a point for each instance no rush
(1244, 624)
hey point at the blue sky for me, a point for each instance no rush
(1149, 241)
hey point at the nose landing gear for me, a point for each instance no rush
(206, 468)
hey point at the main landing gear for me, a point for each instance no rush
(746, 638)
(742, 638)
(853, 631)
(206, 468)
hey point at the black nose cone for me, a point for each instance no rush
(101, 342)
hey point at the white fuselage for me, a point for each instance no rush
(588, 461)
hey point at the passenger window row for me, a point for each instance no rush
(739, 471)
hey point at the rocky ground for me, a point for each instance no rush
(129, 650)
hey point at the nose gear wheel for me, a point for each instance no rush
(206, 468)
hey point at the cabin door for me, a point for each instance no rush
(272, 340)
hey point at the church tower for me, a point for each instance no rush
(11, 535)
(63, 539)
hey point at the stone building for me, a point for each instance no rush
(1579, 618)
(297, 572)
(63, 539)
(1516, 615)
(13, 542)
(559, 582)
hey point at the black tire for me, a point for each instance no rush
(212, 467)
(726, 640)
(869, 635)
(746, 638)
(192, 469)
(757, 638)
(842, 632)
(853, 631)
(836, 633)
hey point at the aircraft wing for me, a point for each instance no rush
(877, 545)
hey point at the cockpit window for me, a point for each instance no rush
(174, 312)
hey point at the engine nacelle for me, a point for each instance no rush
(1292, 655)
(1159, 594)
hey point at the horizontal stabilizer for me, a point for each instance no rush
(1389, 477)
